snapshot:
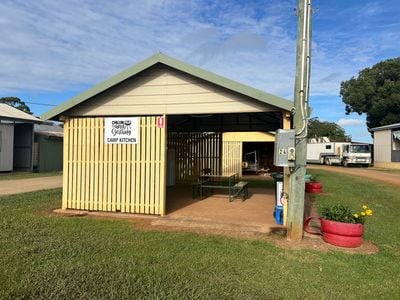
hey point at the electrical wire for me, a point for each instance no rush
(305, 69)
(44, 104)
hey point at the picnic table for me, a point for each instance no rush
(207, 183)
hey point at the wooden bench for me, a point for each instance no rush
(240, 189)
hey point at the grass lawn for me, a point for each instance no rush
(53, 257)
(22, 175)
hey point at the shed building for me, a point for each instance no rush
(387, 146)
(16, 139)
(48, 148)
(187, 120)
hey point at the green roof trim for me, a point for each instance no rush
(235, 86)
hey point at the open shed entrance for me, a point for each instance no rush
(198, 145)
(257, 158)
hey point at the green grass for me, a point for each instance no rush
(53, 257)
(23, 175)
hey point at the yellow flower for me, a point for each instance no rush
(355, 216)
(368, 212)
(363, 213)
(365, 207)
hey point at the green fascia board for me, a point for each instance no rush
(240, 88)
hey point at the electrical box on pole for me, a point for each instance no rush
(284, 152)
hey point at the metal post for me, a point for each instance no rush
(300, 117)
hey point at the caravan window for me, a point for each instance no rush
(328, 147)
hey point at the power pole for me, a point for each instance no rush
(295, 216)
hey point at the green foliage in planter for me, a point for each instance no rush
(340, 213)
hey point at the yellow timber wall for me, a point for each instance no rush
(126, 178)
(195, 152)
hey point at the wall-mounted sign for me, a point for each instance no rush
(121, 130)
(160, 122)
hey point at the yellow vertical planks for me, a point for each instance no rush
(148, 182)
(195, 152)
(114, 163)
(232, 157)
(158, 169)
(65, 165)
(128, 178)
(93, 150)
(108, 177)
(123, 178)
(80, 166)
(118, 186)
(96, 150)
(133, 179)
(142, 163)
(87, 162)
(100, 164)
(138, 171)
(163, 167)
(151, 164)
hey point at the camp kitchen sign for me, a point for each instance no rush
(121, 130)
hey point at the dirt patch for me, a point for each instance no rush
(276, 236)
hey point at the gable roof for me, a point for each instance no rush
(7, 112)
(157, 58)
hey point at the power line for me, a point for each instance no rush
(44, 104)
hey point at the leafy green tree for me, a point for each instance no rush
(17, 103)
(333, 131)
(375, 92)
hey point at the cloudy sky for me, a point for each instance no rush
(52, 50)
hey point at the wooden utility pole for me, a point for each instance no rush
(300, 117)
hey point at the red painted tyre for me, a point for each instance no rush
(342, 234)
(313, 187)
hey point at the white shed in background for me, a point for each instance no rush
(16, 139)
(387, 146)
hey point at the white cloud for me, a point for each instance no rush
(61, 45)
(350, 122)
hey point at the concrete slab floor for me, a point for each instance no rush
(253, 214)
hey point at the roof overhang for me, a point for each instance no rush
(9, 113)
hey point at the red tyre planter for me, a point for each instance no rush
(313, 187)
(337, 233)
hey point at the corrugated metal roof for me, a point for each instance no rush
(391, 126)
(10, 113)
(256, 94)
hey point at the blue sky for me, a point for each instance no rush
(52, 50)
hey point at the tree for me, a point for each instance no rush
(375, 92)
(333, 131)
(17, 103)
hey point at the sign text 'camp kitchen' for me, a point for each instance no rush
(121, 130)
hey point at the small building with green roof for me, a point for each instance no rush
(159, 123)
